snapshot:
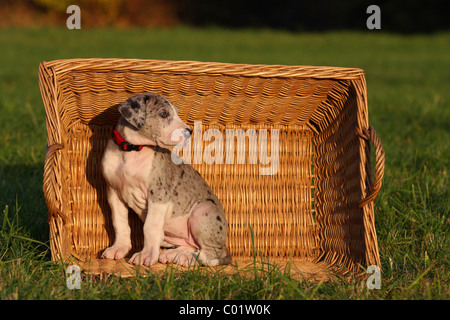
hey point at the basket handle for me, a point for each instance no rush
(47, 188)
(370, 134)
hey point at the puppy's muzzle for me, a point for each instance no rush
(186, 136)
(187, 133)
(183, 136)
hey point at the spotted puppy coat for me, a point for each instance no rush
(179, 210)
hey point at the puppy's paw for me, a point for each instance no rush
(184, 258)
(146, 258)
(116, 252)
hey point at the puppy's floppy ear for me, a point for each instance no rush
(134, 110)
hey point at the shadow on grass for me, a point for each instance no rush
(21, 191)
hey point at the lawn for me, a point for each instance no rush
(408, 79)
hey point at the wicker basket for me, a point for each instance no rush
(317, 210)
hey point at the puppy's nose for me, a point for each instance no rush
(189, 130)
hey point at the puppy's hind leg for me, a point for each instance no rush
(122, 242)
(209, 228)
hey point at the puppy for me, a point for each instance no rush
(178, 208)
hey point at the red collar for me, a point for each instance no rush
(122, 143)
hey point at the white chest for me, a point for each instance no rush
(129, 175)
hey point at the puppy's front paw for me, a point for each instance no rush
(116, 252)
(146, 258)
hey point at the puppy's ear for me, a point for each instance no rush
(134, 110)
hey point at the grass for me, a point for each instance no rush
(408, 81)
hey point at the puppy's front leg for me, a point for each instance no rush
(122, 243)
(153, 234)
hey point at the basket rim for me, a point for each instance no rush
(198, 67)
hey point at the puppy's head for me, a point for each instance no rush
(155, 118)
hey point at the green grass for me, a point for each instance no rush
(408, 80)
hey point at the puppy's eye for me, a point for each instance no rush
(164, 114)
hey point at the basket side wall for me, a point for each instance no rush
(338, 181)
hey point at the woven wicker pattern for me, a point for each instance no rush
(318, 207)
